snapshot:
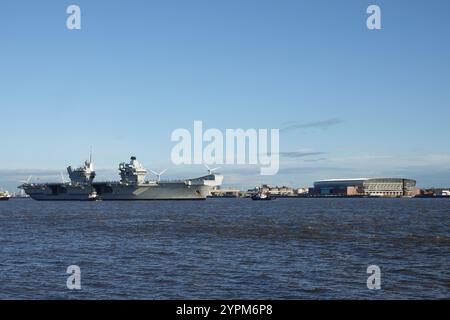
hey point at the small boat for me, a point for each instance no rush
(93, 196)
(445, 193)
(4, 196)
(262, 196)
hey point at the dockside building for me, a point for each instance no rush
(380, 187)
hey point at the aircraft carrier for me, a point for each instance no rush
(132, 186)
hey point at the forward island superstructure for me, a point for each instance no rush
(132, 186)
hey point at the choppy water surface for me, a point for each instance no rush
(226, 248)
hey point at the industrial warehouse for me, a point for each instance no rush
(375, 187)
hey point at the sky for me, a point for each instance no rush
(349, 102)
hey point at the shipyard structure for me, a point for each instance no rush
(376, 187)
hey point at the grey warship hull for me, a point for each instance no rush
(115, 191)
(162, 191)
(58, 192)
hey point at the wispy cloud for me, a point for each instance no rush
(17, 174)
(315, 160)
(297, 154)
(300, 154)
(428, 169)
(323, 124)
(317, 170)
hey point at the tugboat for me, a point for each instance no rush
(262, 196)
(4, 196)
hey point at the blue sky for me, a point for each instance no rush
(353, 102)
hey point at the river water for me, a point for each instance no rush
(226, 249)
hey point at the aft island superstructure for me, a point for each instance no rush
(132, 186)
